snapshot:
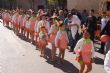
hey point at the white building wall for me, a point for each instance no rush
(83, 4)
(26, 4)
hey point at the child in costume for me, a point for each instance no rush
(32, 26)
(43, 40)
(27, 26)
(61, 41)
(3, 15)
(43, 22)
(53, 32)
(85, 52)
(35, 29)
(7, 19)
(13, 20)
(22, 22)
(18, 21)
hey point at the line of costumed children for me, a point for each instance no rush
(36, 28)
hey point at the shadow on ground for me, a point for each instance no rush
(67, 67)
(99, 61)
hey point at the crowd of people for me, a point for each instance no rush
(73, 30)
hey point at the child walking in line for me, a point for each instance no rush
(22, 22)
(85, 53)
(13, 21)
(7, 19)
(27, 26)
(36, 31)
(16, 19)
(53, 31)
(61, 41)
(32, 26)
(3, 17)
(43, 40)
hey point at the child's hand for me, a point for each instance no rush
(35, 33)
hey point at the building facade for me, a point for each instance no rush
(34, 4)
(83, 4)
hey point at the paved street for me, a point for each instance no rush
(18, 56)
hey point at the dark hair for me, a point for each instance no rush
(69, 15)
(92, 10)
(58, 19)
(29, 17)
(104, 12)
(42, 27)
(61, 25)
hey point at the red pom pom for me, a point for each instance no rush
(104, 38)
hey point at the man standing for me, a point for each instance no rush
(74, 27)
(104, 21)
(66, 22)
(91, 24)
(61, 15)
(106, 30)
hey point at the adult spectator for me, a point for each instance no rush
(61, 15)
(74, 27)
(104, 21)
(84, 16)
(91, 24)
(66, 22)
(106, 30)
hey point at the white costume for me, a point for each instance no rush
(43, 23)
(13, 18)
(103, 22)
(74, 29)
(24, 20)
(36, 24)
(60, 36)
(107, 63)
(27, 24)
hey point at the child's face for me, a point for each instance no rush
(63, 27)
(43, 29)
(86, 35)
(54, 21)
(43, 18)
(27, 18)
(38, 17)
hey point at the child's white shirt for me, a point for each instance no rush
(79, 45)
